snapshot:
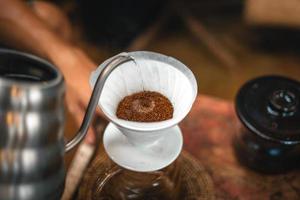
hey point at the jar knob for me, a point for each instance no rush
(283, 103)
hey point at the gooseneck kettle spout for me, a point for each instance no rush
(108, 68)
(32, 113)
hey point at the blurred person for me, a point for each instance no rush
(42, 29)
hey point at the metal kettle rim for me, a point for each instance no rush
(51, 83)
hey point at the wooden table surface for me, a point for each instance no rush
(208, 132)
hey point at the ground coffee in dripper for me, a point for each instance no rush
(145, 106)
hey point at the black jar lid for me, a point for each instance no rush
(269, 106)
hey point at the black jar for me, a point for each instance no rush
(268, 139)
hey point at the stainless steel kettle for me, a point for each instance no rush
(32, 125)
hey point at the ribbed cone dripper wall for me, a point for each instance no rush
(149, 72)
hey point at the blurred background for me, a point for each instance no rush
(224, 42)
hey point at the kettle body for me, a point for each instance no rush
(31, 128)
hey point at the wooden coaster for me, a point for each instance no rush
(194, 182)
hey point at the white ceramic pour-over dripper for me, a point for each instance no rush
(146, 146)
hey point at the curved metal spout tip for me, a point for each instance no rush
(125, 54)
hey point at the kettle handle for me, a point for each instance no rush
(105, 72)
